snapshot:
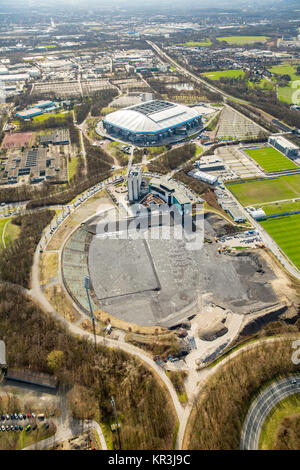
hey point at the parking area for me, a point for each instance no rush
(233, 125)
(247, 239)
(238, 163)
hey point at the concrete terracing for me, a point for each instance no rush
(162, 282)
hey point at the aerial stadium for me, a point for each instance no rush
(154, 122)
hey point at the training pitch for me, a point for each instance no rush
(286, 233)
(267, 190)
(271, 160)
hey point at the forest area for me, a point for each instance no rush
(91, 377)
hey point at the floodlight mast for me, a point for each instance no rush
(87, 288)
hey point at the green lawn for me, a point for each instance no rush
(280, 207)
(286, 233)
(44, 117)
(206, 42)
(286, 93)
(240, 40)
(235, 73)
(263, 191)
(271, 159)
(72, 167)
(287, 407)
(11, 231)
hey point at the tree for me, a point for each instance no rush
(55, 359)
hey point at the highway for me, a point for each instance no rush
(261, 407)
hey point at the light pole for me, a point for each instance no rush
(87, 287)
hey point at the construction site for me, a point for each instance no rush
(157, 282)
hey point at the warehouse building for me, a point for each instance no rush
(153, 122)
(283, 145)
(58, 137)
(29, 113)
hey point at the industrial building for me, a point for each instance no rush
(58, 137)
(283, 145)
(37, 165)
(39, 108)
(153, 122)
(134, 181)
(204, 176)
(29, 113)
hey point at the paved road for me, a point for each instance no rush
(262, 406)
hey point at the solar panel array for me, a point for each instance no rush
(31, 159)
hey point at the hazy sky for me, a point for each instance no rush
(191, 4)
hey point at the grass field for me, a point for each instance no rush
(235, 73)
(72, 167)
(263, 191)
(206, 42)
(44, 117)
(243, 39)
(271, 159)
(11, 231)
(286, 93)
(286, 233)
(280, 207)
(287, 407)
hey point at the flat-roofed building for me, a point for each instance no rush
(29, 113)
(58, 137)
(283, 145)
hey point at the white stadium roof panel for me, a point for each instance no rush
(151, 116)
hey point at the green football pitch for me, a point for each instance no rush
(271, 160)
(262, 191)
(286, 233)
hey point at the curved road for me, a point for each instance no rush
(262, 406)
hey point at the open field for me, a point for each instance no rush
(286, 233)
(206, 42)
(287, 407)
(72, 167)
(286, 93)
(240, 40)
(48, 267)
(11, 232)
(234, 73)
(18, 139)
(263, 191)
(44, 117)
(271, 159)
(280, 207)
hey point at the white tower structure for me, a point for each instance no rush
(134, 180)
